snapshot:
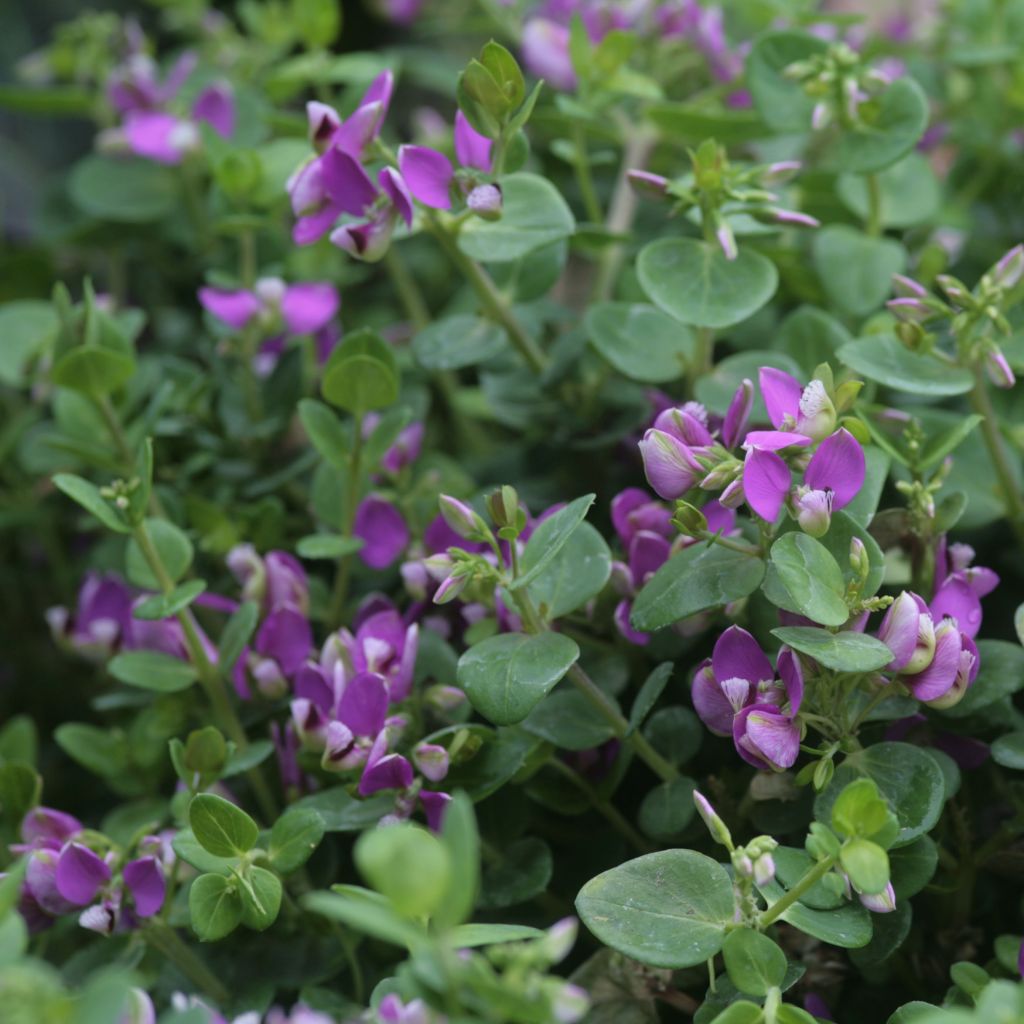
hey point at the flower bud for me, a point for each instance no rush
(879, 903)
(444, 698)
(742, 863)
(814, 511)
(780, 172)
(654, 186)
(1008, 271)
(956, 291)
(859, 561)
(569, 1003)
(460, 517)
(559, 939)
(416, 579)
(998, 369)
(732, 496)
(719, 832)
(764, 869)
(689, 519)
(503, 506)
(432, 760)
(340, 750)
(269, 678)
(727, 240)
(310, 724)
(669, 465)
(817, 418)
(323, 122)
(450, 588)
(907, 288)
(485, 201)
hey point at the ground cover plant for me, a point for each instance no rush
(512, 512)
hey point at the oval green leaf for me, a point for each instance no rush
(885, 359)
(640, 341)
(842, 652)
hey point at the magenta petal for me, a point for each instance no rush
(941, 674)
(216, 106)
(383, 531)
(428, 174)
(397, 191)
(434, 805)
(711, 704)
(899, 630)
(682, 424)
(648, 552)
(314, 226)
(364, 704)
(957, 599)
(775, 440)
(391, 772)
(545, 51)
(359, 130)
(308, 307)
(837, 465)
(737, 655)
(81, 874)
(766, 738)
(346, 183)
(46, 826)
(622, 506)
(738, 414)
(669, 465)
(287, 637)
(720, 519)
(623, 610)
(145, 881)
(790, 672)
(312, 684)
(379, 91)
(781, 393)
(766, 482)
(235, 309)
(471, 148)
(41, 883)
(157, 136)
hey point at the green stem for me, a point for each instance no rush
(781, 905)
(209, 675)
(621, 214)
(124, 451)
(343, 573)
(247, 258)
(873, 226)
(611, 813)
(494, 304)
(598, 699)
(997, 452)
(166, 941)
(732, 545)
(584, 178)
(409, 293)
(704, 353)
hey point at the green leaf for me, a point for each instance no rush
(163, 606)
(653, 687)
(782, 102)
(848, 926)
(222, 828)
(804, 578)
(912, 866)
(694, 282)
(125, 191)
(408, 865)
(699, 577)
(152, 670)
(20, 789)
(666, 810)
(549, 538)
(837, 540)
(261, 899)
(173, 547)
(885, 359)
(811, 337)
(892, 126)
(691, 124)
(577, 573)
(507, 675)
(889, 932)
(908, 777)
(361, 374)
(533, 215)
(755, 964)
(675, 732)
(462, 841)
(940, 446)
(247, 757)
(458, 341)
(326, 432)
(28, 327)
(366, 912)
(103, 753)
(294, 837)
(569, 721)
(866, 863)
(909, 190)
(640, 341)
(91, 500)
(876, 472)
(522, 871)
(855, 269)
(327, 545)
(215, 907)
(236, 633)
(1008, 750)
(842, 652)
(468, 936)
(1001, 674)
(666, 909)
(93, 370)
(342, 812)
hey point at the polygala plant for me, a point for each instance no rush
(616, 620)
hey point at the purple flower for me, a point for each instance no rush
(737, 693)
(384, 770)
(135, 84)
(354, 135)
(405, 449)
(273, 581)
(102, 619)
(545, 50)
(167, 139)
(634, 509)
(738, 414)
(805, 410)
(81, 873)
(430, 175)
(670, 465)
(144, 879)
(383, 530)
(282, 644)
(296, 308)
(393, 1010)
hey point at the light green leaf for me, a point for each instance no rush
(640, 341)
(294, 837)
(577, 573)
(754, 963)
(804, 578)
(215, 906)
(885, 359)
(153, 670)
(844, 652)
(222, 828)
(549, 538)
(458, 341)
(855, 269)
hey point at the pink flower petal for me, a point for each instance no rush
(766, 480)
(838, 465)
